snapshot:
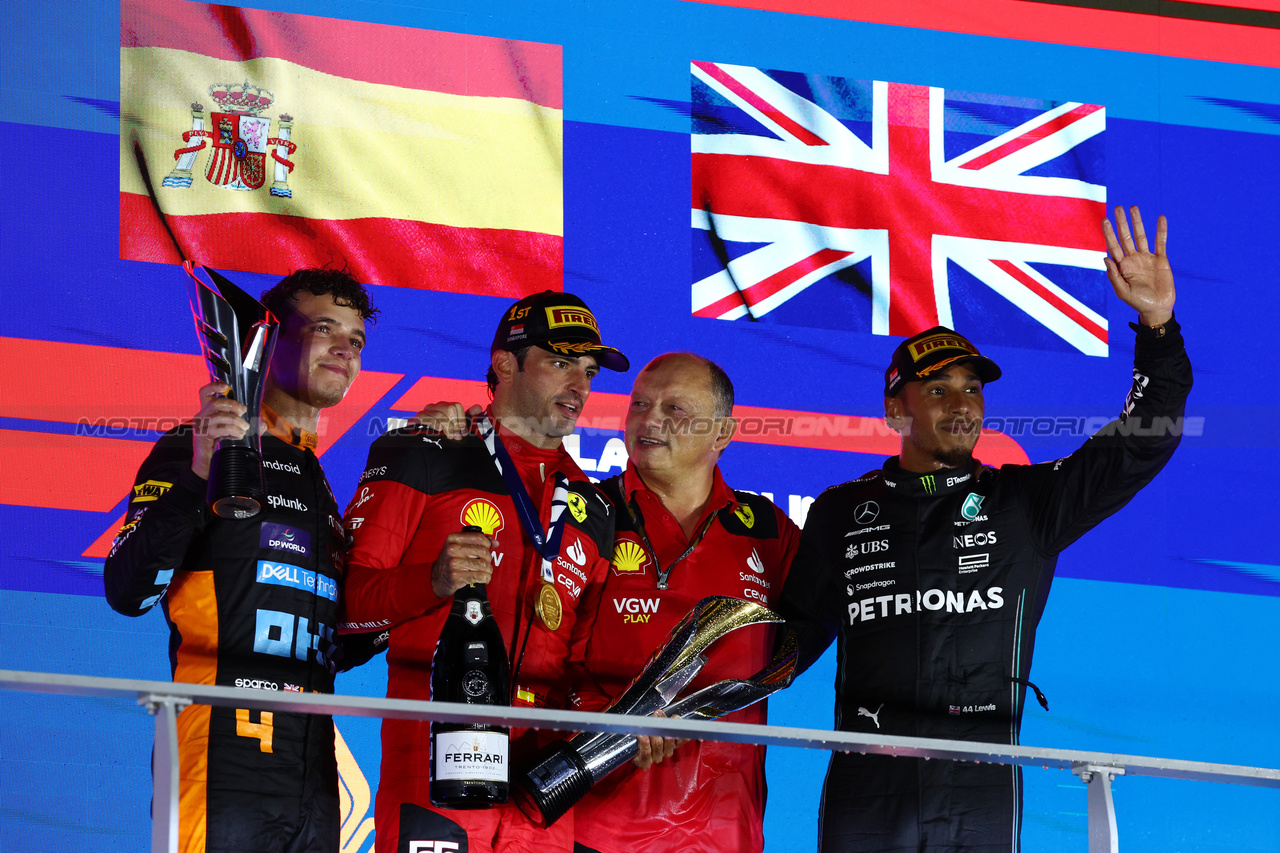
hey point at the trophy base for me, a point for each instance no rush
(557, 778)
(236, 486)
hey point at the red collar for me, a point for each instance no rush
(521, 450)
(721, 495)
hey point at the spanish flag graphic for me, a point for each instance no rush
(264, 142)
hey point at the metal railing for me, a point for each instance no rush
(166, 699)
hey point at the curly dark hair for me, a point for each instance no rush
(346, 292)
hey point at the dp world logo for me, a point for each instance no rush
(866, 512)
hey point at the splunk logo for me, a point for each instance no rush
(284, 574)
(902, 603)
(280, 501)
(282, 537)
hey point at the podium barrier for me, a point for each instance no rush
(164, 699)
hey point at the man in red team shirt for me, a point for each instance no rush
(419, 490)
(682, 534)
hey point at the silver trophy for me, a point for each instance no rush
(561, 774)
(237, 334)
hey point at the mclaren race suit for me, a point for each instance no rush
(417, 489)
(935, 585)
(250, 603)
(709, 797)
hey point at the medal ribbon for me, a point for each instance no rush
(546, 543)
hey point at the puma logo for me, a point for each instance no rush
(875, 718)
(434, 441)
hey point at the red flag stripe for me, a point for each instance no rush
(762, 290)
(1034, 135)
(775, 115)
(757, 424)
(443, 257)
(1052, 23)
(1052, 298)
(375, 53)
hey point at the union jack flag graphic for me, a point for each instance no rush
(889, 208)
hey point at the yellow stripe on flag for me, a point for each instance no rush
(363, 149)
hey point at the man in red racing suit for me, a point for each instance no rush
(417, 493)
(934, 572)
(682, 535)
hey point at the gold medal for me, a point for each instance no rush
(548, 607)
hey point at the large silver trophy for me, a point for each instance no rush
(561, 774)
(237, 334)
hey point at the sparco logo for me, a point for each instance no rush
(290, 467)
(281, 502)
(257, 684)
(885, 606)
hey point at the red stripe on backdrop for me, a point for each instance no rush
(1042, 22)
(375, 53)
(757, 424)
(54, 471)
(483, 261)
(102, 388)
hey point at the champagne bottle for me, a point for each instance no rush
(469, 763)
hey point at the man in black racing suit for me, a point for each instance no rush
(253, 603)
(934, 572)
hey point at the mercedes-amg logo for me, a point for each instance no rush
(866, 512)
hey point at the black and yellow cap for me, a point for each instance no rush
(557, 322)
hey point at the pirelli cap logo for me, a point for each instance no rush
(921, 348)
(564, 315)
(149, 491)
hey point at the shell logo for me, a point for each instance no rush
(484, 515)
(628, 556)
